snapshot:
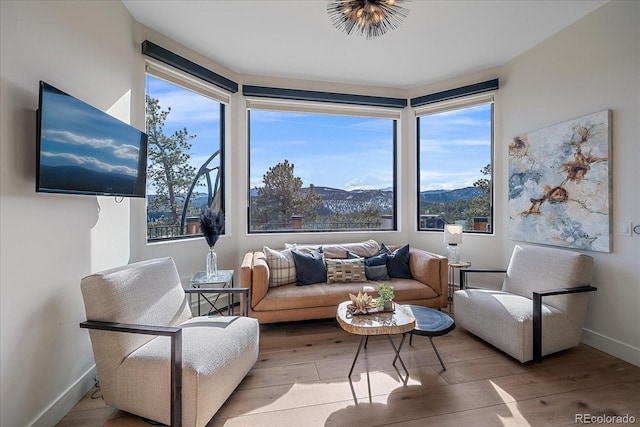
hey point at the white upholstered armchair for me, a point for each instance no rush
(516, 319)
(169, 366)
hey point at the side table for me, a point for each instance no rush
(453, 266)
(223, 279)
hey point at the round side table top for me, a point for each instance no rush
(387, 323)
(430, 322)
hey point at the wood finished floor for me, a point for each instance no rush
(300, 379)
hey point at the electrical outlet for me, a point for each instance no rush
(625, 229)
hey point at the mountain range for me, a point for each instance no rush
(335, 200)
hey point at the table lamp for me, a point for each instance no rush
(453, 238)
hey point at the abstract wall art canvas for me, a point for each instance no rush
(559, 189)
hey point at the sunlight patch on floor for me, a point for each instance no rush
(516, 417)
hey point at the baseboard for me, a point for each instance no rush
(67, 400)
(613, 347)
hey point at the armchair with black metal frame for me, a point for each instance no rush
(533, 274)
(176, 319)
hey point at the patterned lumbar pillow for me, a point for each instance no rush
(282, 268)
(345, 270)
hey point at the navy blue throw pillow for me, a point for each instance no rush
(375, 267)
(398, 262)
(310, 268)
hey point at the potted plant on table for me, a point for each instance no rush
(385, 297)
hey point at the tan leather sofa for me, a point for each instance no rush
(318, 301)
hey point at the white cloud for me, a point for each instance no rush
(92, 162)
(123, 151)
(66, 137)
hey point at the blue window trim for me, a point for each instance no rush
(446, 95)
(310, 95)
(161, 54)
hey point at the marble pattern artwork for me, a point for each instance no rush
(559, 191)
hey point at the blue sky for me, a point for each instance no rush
(454, 146)
(343, 152)
(77, 134)
(198, 113)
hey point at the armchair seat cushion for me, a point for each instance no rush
(505, 320)
(135, 368)
(207, 381)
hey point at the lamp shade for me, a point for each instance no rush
(453, 234)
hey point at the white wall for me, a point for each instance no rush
(91, 50)
(591, 66)
(49, 241)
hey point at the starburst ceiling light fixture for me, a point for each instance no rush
(370, 18)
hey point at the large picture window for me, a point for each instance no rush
(185, 124)
(455, 146)
(313, 171)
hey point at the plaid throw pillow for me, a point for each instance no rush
(282, 268)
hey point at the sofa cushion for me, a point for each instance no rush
(363, 249)
(345, 270)
(292, 297)
(310, 268)
(398, 262)
(282, 267)
(375, 267)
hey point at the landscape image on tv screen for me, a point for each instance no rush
(83, 150)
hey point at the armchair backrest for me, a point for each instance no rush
(537, 268)
(144, 293)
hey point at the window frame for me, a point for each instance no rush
(327, 108)
(458, 103)
(204, 88)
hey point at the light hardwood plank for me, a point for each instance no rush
(301, 379)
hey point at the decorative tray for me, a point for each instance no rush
(375, 310)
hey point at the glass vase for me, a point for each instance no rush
(453, 254)
(212, 263)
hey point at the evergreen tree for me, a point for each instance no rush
(481, 205)
(168, 166)
(282, 196)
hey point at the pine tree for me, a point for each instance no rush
(282, 196)
(168, 166)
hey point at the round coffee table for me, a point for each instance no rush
(398, 321)
(430, 323)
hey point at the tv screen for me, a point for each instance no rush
(82, 150)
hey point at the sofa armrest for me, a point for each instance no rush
(537, 314)
(176, 355)
(246, 270)
(430, 269)
(259, 278)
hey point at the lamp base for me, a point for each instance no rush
(453, 253)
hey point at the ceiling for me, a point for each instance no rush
(295, 38)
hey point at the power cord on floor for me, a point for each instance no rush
(97, 393)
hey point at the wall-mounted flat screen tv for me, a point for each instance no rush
(82, 150)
